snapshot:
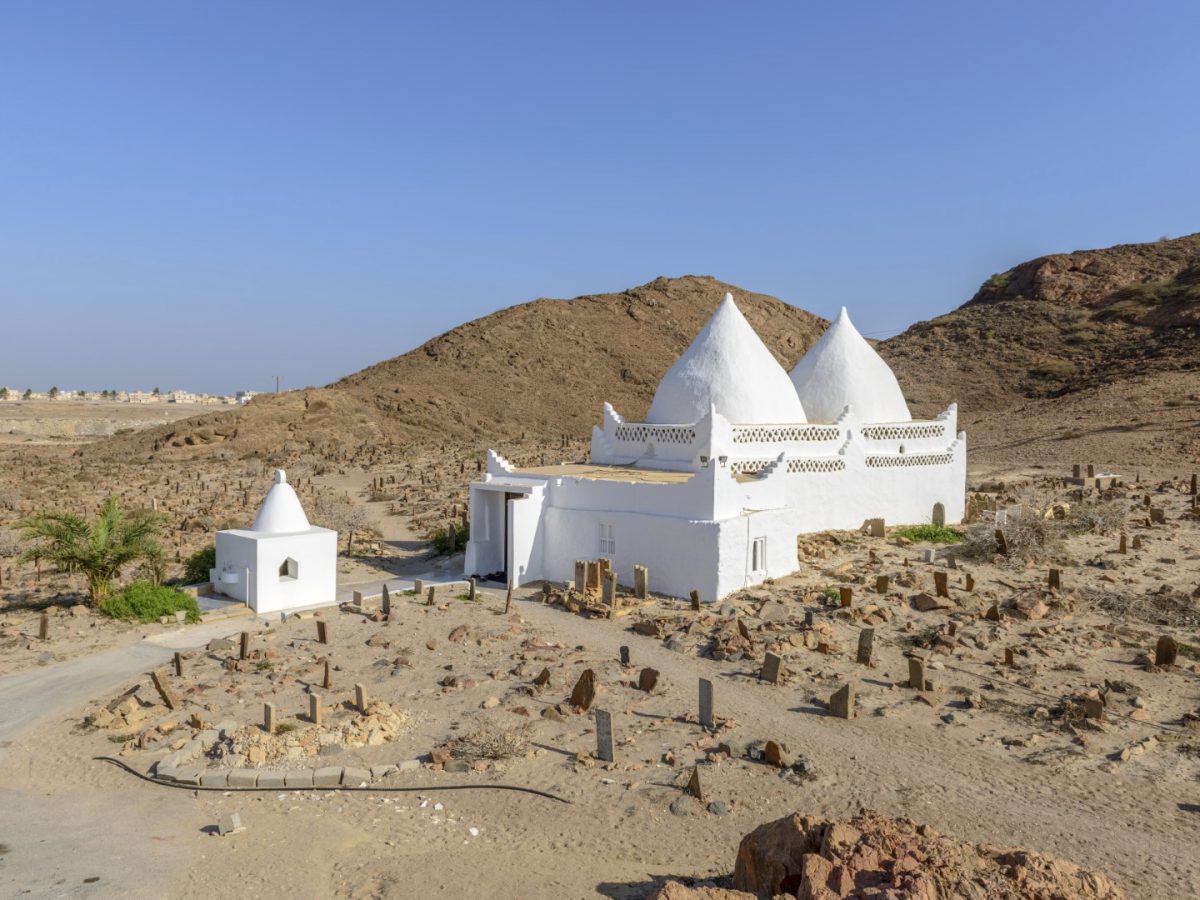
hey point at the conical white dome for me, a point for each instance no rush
(843, 370)
(728, 367)
(281, 512)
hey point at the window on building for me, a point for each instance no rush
(758, 555)
(608, 540)
(289, 568)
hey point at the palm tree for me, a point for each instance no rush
(97, 550)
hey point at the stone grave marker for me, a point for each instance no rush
(244, 645)
(846, 595)
(327, 678)
(647, 680)
(866, 646)
(1093, 708)
(876, 528)
(508, 601)
(360, 698)
(695, 595)
(916, 673)
(841, 704)
(385, 602)
(969, 583)
(1166, 651)
(44, 627)
(604, 735)
(543, 678)
(641, 582)
(693, 785)
(1009, 657)
(881, 584)
(168, 696)
(771, 666)
(418, 587)
(610, 592)
(624, 655)
(270, 718)
(322, 632)
(1124, 548)
(706, 703)
(1001, 542)
(471, 590)
(1054, 580)
(429, 596)
(584, 693)
(941, 585)
(314, 709)
(178, 664)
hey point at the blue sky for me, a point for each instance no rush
(207, 195)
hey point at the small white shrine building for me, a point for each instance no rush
(281, 562)
(736, 459)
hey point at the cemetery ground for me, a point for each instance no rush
(991, 750)
(994, 750)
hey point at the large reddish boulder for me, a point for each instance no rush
(876, 857)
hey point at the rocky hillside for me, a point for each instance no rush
(1057, 325)
(542, 368)
(1045, 337)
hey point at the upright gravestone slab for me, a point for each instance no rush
(327, 677)
(1166, 651)
(647, 680)
(1124, 546)
(876, 528)
(969, 583)
(580, 575)
(846, 595)
(584, 693)
(359, 599)
(429, 596)
(418, 587)
(178, 664)
(314, 709)
(322, 632)
(270, 718)
(771, 666)
(866, 646)
(604, 735)
(244, 646)
(841, 704)
(693, 785)
(916, 673)
(44, 627)
(939, 514)
(385, 602)
(706, 703)
(881, 584)
(941, 584)
(641, 582)
(695, 597)
(1001, 542)
(624, 655)
(1054, 580)
(610, 592)
(360, 698)
(471, 590)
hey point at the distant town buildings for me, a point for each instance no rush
(16, 395)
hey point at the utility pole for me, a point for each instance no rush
(277, 384)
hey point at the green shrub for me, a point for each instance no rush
(146, 602)
(196, 569)
(929, 534)
(440, 538)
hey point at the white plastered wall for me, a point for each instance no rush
(264, 590)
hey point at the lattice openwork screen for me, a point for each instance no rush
(904, 460)
(778, 434)
(662, 434)
(903, 432)
(815, 464)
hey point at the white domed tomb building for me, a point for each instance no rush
(281, 562)
(736, 459)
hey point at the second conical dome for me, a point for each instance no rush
(841, 369)
(728, 367)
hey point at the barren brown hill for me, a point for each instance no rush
(540, 368)
(1059, 324)
(1097, 345)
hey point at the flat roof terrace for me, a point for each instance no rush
(594, 472)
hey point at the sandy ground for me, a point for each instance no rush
(994, 758)
(73, 421)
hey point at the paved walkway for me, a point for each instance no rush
(29, 696)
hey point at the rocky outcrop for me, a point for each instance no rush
(876, 857)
